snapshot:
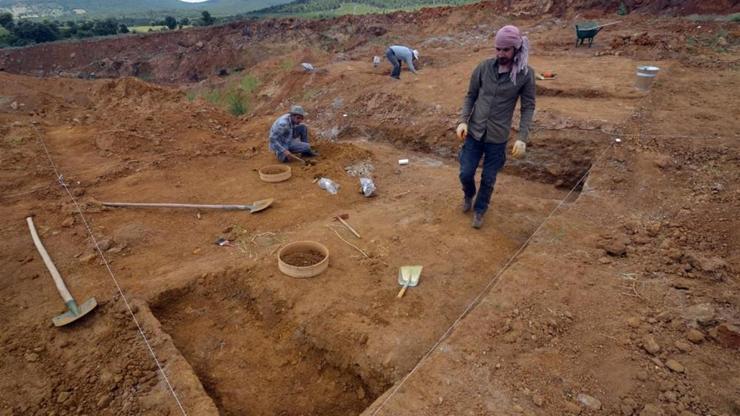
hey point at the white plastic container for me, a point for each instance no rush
(403, 161)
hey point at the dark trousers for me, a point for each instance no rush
(301, 132)
(494, 157)
(393, 59)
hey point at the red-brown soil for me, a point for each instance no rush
(624, 292)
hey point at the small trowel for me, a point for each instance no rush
(408, 276)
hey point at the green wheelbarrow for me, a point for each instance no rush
(588, 31)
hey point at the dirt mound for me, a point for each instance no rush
(135, 89)
(196, 54)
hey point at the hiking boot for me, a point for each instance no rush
(310, 153)
(477, 220)
(467, 204)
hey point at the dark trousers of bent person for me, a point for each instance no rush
(393, 59)
(494, 157)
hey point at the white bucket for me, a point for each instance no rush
(645, 76)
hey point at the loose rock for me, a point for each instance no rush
(104, 401)
(682, 346)
(63, 397)
(729, 335)
(695, 336)
(675, 366)
(628, 407)
(105, 244)
(650, 345)
(615, 248)
(88, 258)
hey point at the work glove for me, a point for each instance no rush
(518, 149)
(462, 130)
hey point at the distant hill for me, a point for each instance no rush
(320, 8)
(69, 9)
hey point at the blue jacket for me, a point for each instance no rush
(281, 133)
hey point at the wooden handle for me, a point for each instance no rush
(298, 158)
(49, 264)
(169, 205)
(403, 290)
(349, 227)
(608, 24)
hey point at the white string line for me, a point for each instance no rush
(491, 284)
(60, 178)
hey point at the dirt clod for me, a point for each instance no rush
(675, 366)
(695, 336)
(650, 344)
(729, 335)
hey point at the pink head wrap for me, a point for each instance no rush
(510, 37)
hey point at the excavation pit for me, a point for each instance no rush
(251, 358)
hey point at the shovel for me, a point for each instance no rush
(74, 312)
(255, 206)
(408, 276)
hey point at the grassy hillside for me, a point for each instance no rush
(66, 9)
(325, 8)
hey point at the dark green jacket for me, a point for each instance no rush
(490, 101)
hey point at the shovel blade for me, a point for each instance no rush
(409, 275)
(74, 312)
(260, 205)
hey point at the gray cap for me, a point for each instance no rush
(297, 110)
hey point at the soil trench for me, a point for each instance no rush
(249, 356)
(332, 344)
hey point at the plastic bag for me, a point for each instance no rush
(329, 185)
(367, 187)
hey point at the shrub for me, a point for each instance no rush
(249, 83)
(236, 103)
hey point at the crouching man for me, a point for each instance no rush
(288, 135)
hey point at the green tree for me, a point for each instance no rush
(27, 31)
(6, 20)
(170, 22)
(122, 28)
(6, 37)
(71, 27)
(184, 21)
(205, 18)
(105, 27)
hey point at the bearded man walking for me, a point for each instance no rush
(485, 120)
